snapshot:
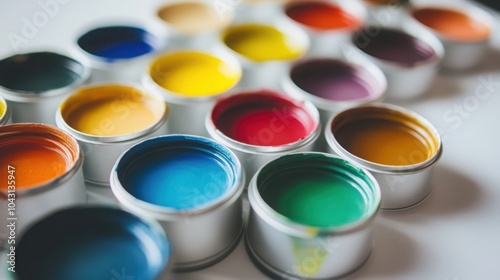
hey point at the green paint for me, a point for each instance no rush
(315, 191)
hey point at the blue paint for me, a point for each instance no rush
(118, 42)
(178, 172)
(91, 243)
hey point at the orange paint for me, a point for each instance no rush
(37, 158)
(324, 16)
(453, 24)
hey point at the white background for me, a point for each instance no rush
(453, 235)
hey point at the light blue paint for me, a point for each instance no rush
(178, 172)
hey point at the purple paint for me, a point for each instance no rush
(393, 45)
(333, 79)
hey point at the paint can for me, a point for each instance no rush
(192, 186)
(190, 81)
(400, 148)
(119, 52)
(334, 84)
(93, 243)
(34, 83)
(405, 55)
(311, 217)
(4, 112)
(41, 173)
(387, 13)
(194, 23)
(261, 125)
(463, 28)
(107, 119)
(327, 23)
(265, 51)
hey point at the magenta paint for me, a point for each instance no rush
(335, 80)
(263, 118)
(393, 45)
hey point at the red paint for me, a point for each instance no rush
(322, 15)
(262, 118)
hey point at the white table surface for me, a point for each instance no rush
(453, 235)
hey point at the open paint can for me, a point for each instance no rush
(35, 83)
(193, 186)
(4, 112)
(194, 23)
(334, 84)
(312, 217)
(265, 51)
(327, 23)
(405, 55)
(190, 81)
(107, 119)
(463, 28)
(399, 147)
(85, 243)
(261, 125)
(41, 173)
(119, 52)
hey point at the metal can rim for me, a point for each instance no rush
(5, 117)
(329, 105)
(214, 132)
(108, 140)
(169, 214)
(280, 222)
(381, 168)
(28, 96)
(59, 181)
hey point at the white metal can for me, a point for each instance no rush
(119, 52)
(261, 125)
(43, 173)
(35, 83)
(190, 81)
(328, 23)
(400, 148)
(107, 119)
(193, 186)
(463, 28)
(386, 12)
(405, 54)
(312, 217)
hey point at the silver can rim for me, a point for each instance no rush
(99, 62)
(176, 98)
(381, 168)
(412, 30)
(103, 140)
(5, 117)
(360, 12)
(169, 214)
(29, 96)
(286, 27)
(469, 9)
(57, 182)
(330, 105)
(308, 106)
(283, 224)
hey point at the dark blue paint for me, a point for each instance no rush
(118, 42)
(91, 243)
(178, 172)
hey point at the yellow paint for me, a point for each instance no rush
(194, 74)
(2, 109)
(262, 43)
(111, 110)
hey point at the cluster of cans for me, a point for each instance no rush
(203, 237)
